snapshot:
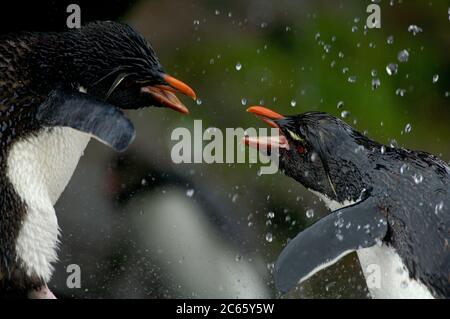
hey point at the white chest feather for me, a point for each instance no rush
(386, 275)
(39, 169)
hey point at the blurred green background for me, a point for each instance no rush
(291, 56)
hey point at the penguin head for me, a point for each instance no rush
(318, 150)
(113, 62)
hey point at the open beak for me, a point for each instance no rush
(266, 142)
(165, 94)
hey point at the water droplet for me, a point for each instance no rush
(376, 83)
(393, 143)
(403, 56)
(270, 215)
(341, 55)
(190, 192)
(269, 237)
(310, 213)
(383, 149)
(196, 22)
(435, 78)
(359, 148)
(293, 103)
(340, 104)
(439, 207)
(238, 66)
(345, 114)
(339, 236)
(244, 101)
(418, 178)
(392, 69)
(354, 28)
(390, 39)
(352, 79)
(344, 70)
(408, 128)
(217, 12)
(403, 168)
(143, 182)
(374, 72)
(199, 101)
(414, 29)
(238, 258)
(400, 92)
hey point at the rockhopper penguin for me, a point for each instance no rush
(390, 205)
(57, 90)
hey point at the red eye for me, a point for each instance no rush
(300, 149)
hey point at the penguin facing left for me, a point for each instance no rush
(57, 90)
(390, 205)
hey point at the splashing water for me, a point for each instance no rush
(435, 78)
(376, 83)
(392, 68)
(403, 56)
(408, 128)
(190, 192)
(403, 168)
(390, 39)
(439, 207)
(418, 178)
(414, 29)
(345, 114)
(400, 92)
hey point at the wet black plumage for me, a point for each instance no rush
(402, 197)
(412, 188)
(41, 76)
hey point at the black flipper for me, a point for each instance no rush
(85, 113)
(329, 239)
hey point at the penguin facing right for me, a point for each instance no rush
(57, 90)
(390, 205)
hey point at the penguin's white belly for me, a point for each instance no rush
(39, 169)
(387, 276)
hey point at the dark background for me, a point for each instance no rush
(140, 226)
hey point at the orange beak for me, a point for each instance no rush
(267, 116)
(165, 94)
